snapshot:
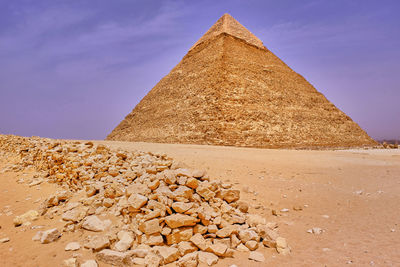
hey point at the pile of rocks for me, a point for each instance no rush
(155, 212)
(394, 145)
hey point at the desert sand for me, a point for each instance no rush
(351, 195)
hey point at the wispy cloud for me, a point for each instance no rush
(61, 36)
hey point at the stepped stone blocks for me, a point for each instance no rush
(229, 89)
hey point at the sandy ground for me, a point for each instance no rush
(353, 195)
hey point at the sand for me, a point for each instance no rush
(352, 195)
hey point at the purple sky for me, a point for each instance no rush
(74, 69)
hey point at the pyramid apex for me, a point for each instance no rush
(227, 15)
(227, 24)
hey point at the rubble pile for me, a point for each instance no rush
(139, 207)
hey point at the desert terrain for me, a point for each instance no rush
(349, 197)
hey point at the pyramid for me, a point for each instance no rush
(229, 89)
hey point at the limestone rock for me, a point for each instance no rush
(256, 256)
(114, 258)
(125, 241)
(181, 207)
(89, 263)
(71, 262)
(168, 254)
(218, 249)
(192, 183)
(243, 206)
(152, 240)
(282, 246)
(72, 246)
(152, 260)
(26, 218)
(253, 220)
(207, 258)
(49, 236)
(139, 252)
(205, 192)
(4, 240)
(182, 193)
(180, 234)
(251, 245)
(93, 223)
(186, 247)
(139, 261)
(227, 231)
(242, 248)
(108, 202)
(235, 241)
(97, 242)
(150, 227)
(247, 235)
(199, 241)
(137, 201)
(137, 188)
(315, 230)
(198, 173)
(231, 195)
(179, 220)
(189, 260)
(199, 228)
(74, 215)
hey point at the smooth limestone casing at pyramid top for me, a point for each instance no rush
(231, 90)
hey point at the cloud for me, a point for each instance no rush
(62, 37)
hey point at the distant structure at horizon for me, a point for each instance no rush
(229, 89)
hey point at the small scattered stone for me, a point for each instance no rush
(242, 248)
(168, 254)
(315, 230)
(93, 223)
(218, 249)
(207, 258)
(71, 262)
(282, 246)
(152, 259)
(137, 201)
(72, 246)
(189, 260)
(97, 242)
(125, 241)
(199, 241)
(297, 207)
(49, 236)
(89, 263)
(112, 257)
(26, 218)
(179, 220)
(4, 240)
(251, 245)
(139, 252)
(150, 227)
(256, 256)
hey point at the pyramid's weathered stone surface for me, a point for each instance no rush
(227, 24)
(231, 90)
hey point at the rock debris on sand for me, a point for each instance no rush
(138, 207)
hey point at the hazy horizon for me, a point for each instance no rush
(75, 69)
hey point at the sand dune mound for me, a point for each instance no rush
(231, 90)
(136, 207)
